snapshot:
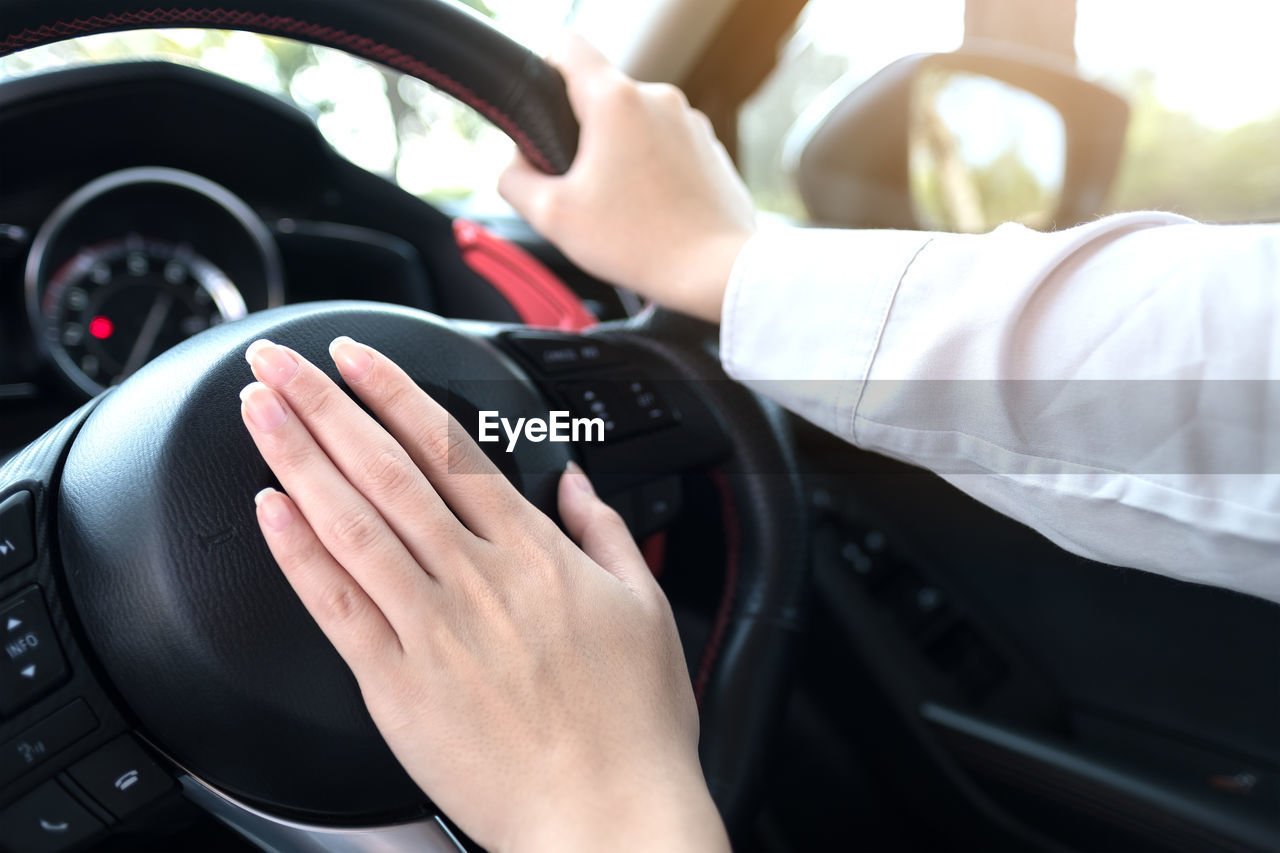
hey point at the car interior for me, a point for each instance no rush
(881, 662)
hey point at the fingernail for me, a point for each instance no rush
(275, 510)
(271, 363)
(579, 478)
(354, 361)
(253, 348)
(263, 406)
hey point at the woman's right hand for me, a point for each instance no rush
(652, 202)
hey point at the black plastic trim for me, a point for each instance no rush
(1172, 817)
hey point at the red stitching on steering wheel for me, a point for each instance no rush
(283, 26)
(732, 531)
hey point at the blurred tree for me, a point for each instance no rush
(404, 114)
(1174, 162)
(1011, 192)
(954, 200)
(789, 91)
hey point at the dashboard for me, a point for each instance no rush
(143, 202)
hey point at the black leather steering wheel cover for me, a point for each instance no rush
(198, 632)
(437, 41)
(748, 668)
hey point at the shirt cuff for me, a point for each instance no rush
(803, 313)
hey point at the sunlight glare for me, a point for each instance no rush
(1216, 61)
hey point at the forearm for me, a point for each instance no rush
(993, 360)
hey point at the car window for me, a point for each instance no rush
(1205, 127)
(1204, 135)
(390, 124)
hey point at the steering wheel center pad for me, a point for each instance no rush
(441, 43)
(179, 595)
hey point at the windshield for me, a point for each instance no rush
(1202, 139)
(391, 124)
(1201, 81)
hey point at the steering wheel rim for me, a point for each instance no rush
(761, 611)
(440, 43)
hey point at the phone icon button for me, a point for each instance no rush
(126, 780)
(121, 776)
(47, 818)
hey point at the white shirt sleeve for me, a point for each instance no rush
(1111, 385)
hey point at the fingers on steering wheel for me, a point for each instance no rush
(467, 480)
(350, 528)
(369, 458)
(355, 625)
(600, 531)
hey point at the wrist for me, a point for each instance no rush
(733, 250)
(640, 813)
(694, 279)
(714, 270)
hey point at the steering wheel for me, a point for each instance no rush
(174, 623)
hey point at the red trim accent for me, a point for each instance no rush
(535, 292)
(283, 26)
(732, 545)
(654, 550)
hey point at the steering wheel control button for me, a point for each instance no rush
(556, 354)
(31, 663)
(121, 777)
(646, 406)
(658, 503)
(648, 508)
(628, 406)
(17, 536)
(45, 739)
(47, 820)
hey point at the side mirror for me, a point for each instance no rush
(963, 142)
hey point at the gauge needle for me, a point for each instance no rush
(150, 331)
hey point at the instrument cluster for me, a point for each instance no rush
(137, 261)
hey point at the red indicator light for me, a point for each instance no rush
(101, 328)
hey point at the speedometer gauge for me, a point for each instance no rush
(137, 261)
(114, 306)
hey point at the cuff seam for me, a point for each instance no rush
(728, 313)
(874, 349)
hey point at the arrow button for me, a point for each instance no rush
(31, 664)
